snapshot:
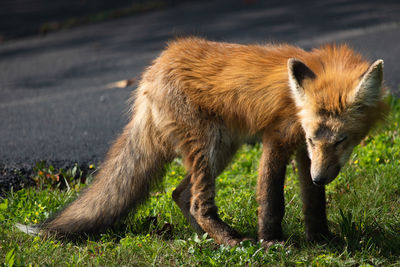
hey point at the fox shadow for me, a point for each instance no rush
(382, 239)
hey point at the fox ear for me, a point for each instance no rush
(298, 73)
(368, 91)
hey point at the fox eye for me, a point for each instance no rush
(310, 142)
(341, 139)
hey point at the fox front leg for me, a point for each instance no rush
(270, 191)
(314, 204)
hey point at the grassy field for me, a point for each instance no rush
(363, 210)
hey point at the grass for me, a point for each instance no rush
(363, 210)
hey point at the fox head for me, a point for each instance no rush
(337, 105)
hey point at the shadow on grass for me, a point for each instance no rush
(150, 225)
(354, 238)
(361, 236)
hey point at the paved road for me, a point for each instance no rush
(54, 102)
(23, 17)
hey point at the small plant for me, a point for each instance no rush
(10, 258)
(48, 177)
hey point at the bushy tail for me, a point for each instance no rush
(134, 163)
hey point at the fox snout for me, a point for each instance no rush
(323, 176)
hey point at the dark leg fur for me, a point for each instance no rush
(314, 205)
(182, 195)
(270, 191)
(203, 207)
(205, 158)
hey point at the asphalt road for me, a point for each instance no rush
(54, 102)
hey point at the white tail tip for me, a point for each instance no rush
(28, 229)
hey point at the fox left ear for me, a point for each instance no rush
(298, 73)
(369, 90)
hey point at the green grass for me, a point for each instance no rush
(363, 210)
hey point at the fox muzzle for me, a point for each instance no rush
(324, 177)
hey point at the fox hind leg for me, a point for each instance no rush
(206, 155)
(183, 193)
(182, 196)
(202, 205)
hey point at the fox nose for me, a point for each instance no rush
(325, 177)
(319, 180)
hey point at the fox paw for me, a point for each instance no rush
(236, 241)
(320, 237)
(270, 243)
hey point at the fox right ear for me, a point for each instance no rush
(298, 73)
(369, 90)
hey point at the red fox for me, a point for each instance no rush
(202, 99)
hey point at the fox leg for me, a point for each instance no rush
(203, 207)
(182, 195)
(205, 155)
(270, 191)
(314, 205)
